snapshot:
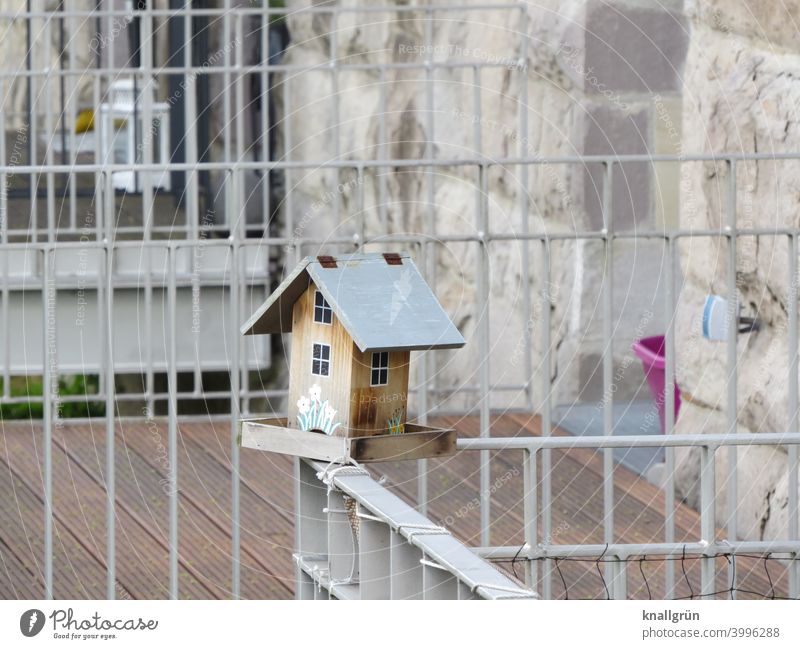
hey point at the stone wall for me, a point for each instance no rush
(592, 69)
(742, 89)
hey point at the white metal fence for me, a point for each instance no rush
(164, 259)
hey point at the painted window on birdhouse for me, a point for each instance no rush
(321, 360)
(322, 310)
(380, 368)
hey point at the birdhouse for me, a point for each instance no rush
(354, 320)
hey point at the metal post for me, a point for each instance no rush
(235, 368)
(190, 116)
(608, 360)
(483, 350)
(546, 416)
(732, 364)
(669, 414)
(792, 454)
(111, 579)
(172, 388)
(6, 297)
(707, 520)
(48, 305)
(619, 580)
(531, 507)
(423, 404)
(524, 170)
(425, 374)
(48, 129)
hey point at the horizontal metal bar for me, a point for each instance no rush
(257, 11)
(143, 396)
(378, 240)
(398, 162)
(627, 441)
(625, 550)
(244, 70)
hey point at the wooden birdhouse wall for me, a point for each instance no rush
(335, 387)
(374, 409)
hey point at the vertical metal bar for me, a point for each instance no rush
(6, 297)
(100, 128)
(239, 105)
(608, 359)
(669, 414)
(792, 454)
(619, 580)
(298, 488)
(226, 83)
(49, 132)
(425, 373)
(732, 362)
(335, 116)
(522, 116)
(483, 350)
(172, 404)
(108, 361)
(190, 116)
(707, 520)
(241, 314)
(239, 233)
(422, 400)
(361, 220)
(265, 134)
(47, 412)
(546, 417)
(531, 507)
(287, 156)
(144, 145)
(69, 127)
(383, 149)
(33, 129)
(234, 378)
(147, 203)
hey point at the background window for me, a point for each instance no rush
(321, 360)
(322, 310)
(380, 368)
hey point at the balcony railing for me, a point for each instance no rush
(379, 547)
(169, 265)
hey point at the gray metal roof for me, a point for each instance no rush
(382, 306)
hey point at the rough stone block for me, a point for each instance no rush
(634, 49)
(611, 130)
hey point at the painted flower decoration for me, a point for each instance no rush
(315, 414)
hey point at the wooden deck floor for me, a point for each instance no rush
(142, 471)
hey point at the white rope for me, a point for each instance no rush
(327, 475)
(421, 528)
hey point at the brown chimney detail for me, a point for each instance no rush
(326, 261)
(393, 258)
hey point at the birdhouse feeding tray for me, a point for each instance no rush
(415, 443)
(354, 319)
